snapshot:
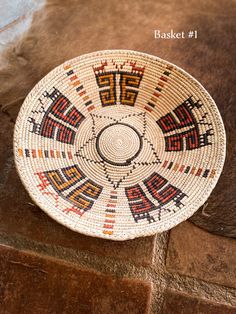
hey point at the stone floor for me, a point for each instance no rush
(46, 268)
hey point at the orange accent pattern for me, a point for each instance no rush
(110, 214)
(213, 172)
(40, 154)
(159, 89)
(199, 172)
(43, 186)
(75, 82)
(75, 210)
(43, 153)
(20, 152)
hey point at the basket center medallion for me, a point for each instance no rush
(118, 144)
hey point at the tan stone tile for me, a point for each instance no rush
(180, 303)
(196, 253)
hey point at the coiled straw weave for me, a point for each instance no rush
(119, 144)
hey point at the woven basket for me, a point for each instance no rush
(119, 144)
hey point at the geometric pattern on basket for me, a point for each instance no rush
(60, 121)
(71, 184)
(129, 76)
(110, 212)
(44, 153)
(180, 118)
(160, 189)
(131, 163)
(204, 173)
(161, 84)
(79, 87)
